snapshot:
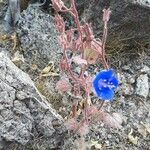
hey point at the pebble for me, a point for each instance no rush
(142, 86)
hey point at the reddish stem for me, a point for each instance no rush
(105, 30)
(102, 103)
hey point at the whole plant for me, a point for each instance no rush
(80, 50)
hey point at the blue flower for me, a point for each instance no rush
(104, 84)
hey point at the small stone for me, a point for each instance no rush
(131, 80)
(142, 86)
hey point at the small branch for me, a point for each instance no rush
(102, 103)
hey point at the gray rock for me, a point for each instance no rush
(142, 85)
(129, 19)
(131, 80)
(38, 38)
(37, 47)
(12, 14)
(37, 43)
(24, 112)
(145, 3)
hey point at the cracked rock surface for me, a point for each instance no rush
(142, 88)
(24, 113)
(38, 38)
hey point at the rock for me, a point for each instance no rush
(37, 48)
(24, 112)
(142, 85)
(145, 3)
(2, 9)
(129, 20)
(131, 80)
(38, 39)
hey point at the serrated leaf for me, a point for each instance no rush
(90, 55)
(78, 60)
(63, 85)
(131, 138)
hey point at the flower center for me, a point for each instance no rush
(104, 83)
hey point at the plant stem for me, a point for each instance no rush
(105, 30)
(101, 105)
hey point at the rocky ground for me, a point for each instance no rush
(132, 102)
(36, 47)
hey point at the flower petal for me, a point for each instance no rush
(104, 84)
(105, 94)
(114, 82)
(105, 74)
(96, 86)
